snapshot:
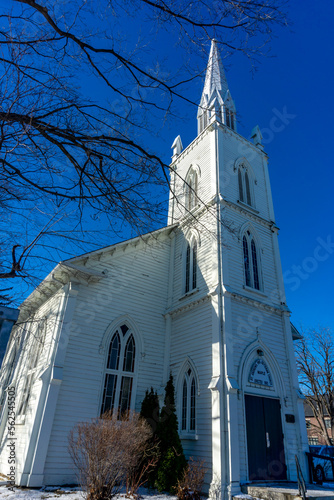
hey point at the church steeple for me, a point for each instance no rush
(216, 101)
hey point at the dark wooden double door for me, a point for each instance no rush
(266, 458)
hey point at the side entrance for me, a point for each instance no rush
(266, 458)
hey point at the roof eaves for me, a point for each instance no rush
(125, 243)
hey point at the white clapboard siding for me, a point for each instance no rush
(32, 327)
(141, 277)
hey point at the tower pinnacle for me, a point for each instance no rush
(216, 101)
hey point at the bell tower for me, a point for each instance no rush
(221, 198)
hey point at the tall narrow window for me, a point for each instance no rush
(184, 404)
(193, 405)
(205, 119)
(191, 190)
(256, 281)
(187, 287)
(37, 342)
(251, 261)
(246, 262)
(244, 184)
(248, 195)
(120, 369)
(194, 266)
(191, 266)
(188, 410)
(241, 191)
(229, 118)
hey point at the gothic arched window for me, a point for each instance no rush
(37, 343)
(191, 266)
(188, 410)
(191, 190)
(229, 118)
(244, 183)
(119, 372)
(203, 120)
(251, 261)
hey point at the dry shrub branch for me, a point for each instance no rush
(191, 485)
(106, 451)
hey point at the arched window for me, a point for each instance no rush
(203, 120)
(229, 118)
(244, 182)
(120, 369)
(191, 266)
(191, 190)
(251, 261)
(37, 342)
(188, 411)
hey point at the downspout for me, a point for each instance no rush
(221, 322)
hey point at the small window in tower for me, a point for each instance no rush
(205, 119)
(241, 192)
(244, 185)
(251, 261)
(248, 196)
(194, 265)
(191, 266)
(201, 123)
(256, 282)
(191, 190)
(246, 262)
(229, 118)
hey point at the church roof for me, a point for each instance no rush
(71, 269)
(130, 241)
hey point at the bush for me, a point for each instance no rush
(106, 451)
(172, 461)
(151, 413)
(150, 409)
(145, 470)
(191, 485)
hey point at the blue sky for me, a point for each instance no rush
(301, 158)
(296, 80)
(297, 77)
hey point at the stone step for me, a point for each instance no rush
(283, 491)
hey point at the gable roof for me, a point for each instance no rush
(71, 270)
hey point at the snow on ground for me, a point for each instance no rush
(54, 493)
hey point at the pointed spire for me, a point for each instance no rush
(215, 78)
(216, 101)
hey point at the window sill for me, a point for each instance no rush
(254, 290)
(188, 294)
(249, 207)
(189, 436)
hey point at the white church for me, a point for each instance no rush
(202, 298)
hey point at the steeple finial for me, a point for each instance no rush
(216, 101)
